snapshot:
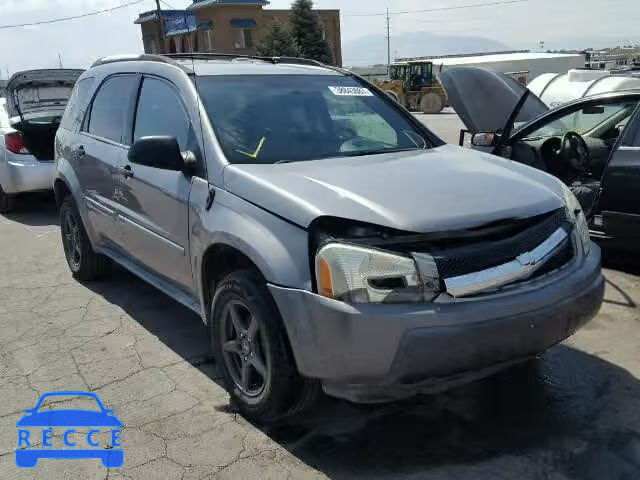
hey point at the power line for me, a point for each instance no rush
(64, 19)
(459, 7)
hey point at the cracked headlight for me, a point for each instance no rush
(576, 214)
(355, 274)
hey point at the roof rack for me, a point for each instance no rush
(133, 58)
(231, 56)
(170, 58)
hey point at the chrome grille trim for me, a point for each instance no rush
(519, 269)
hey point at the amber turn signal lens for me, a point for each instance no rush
(325, 286)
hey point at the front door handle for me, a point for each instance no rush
(126, 171)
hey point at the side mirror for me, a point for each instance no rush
(158, 152)
(484, 139)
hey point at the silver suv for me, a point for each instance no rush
(326, 237)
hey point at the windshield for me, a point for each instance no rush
(586, 120)
(291, 118)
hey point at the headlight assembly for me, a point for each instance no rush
(356, 274)
(576, 213)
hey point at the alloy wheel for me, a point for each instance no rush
(244, 349)
(71, 239)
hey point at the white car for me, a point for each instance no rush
(29, 118)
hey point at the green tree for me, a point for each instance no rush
(307, 29)
(278, 42)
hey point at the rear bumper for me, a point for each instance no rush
(23, 173)
(381, 352)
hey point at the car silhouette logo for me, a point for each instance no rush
(27, 457)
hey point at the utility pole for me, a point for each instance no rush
(388, 41)
(60, 60)
(160, 27)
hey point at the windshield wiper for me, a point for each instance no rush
(362, 153)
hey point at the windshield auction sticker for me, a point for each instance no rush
(351, 91)
(52, 430)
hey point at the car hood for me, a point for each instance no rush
(485, 99)
(35, 93)
(423, 191)
(69, 418)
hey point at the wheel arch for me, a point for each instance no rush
(66, 183)
(219, 260)
(60, 191)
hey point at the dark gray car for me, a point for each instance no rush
(324, 235)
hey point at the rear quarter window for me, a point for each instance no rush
(77, 105)
(111, 106)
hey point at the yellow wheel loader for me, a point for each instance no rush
(414, 85)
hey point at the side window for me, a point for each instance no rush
(77, 104)
(111, 106)
(161, 112)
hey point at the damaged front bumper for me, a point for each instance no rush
(380, 352)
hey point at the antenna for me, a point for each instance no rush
(160, 27)
(388, 40)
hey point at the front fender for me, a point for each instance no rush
(278, 248)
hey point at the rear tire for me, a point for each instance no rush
(7, 202)
(431, 103)
(279, 391)
(84, 263)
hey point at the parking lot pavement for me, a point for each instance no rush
(446, 124)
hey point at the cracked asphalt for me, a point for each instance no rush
(575, 415)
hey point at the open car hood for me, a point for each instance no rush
(36, 93)
(485, 99)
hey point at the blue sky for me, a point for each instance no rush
(521, 25)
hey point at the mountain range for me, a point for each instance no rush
(372, 49)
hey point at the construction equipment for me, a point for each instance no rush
(414, 85)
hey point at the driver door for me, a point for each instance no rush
(620, 200)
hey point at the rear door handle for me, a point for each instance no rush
(126, 171)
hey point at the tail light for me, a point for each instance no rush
(14, 143)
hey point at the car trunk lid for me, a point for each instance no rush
(485, 99)
(36, 93)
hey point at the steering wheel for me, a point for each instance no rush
(574, 153)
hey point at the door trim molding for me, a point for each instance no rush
(153, 234)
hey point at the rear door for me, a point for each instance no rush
(100, 150)
(620, 200)
(154, 202)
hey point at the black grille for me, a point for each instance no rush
(482, 255)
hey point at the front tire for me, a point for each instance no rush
(84, 263)
(252, 352)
